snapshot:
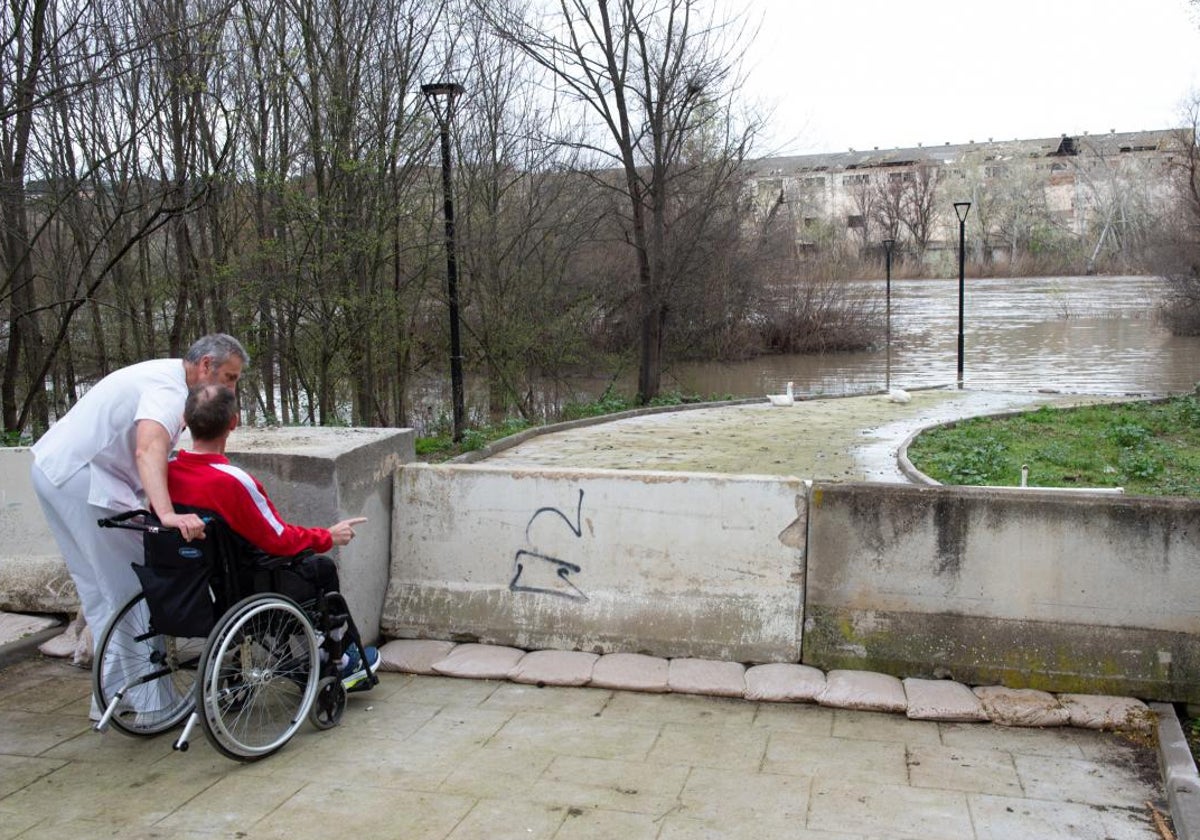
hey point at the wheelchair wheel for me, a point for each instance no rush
(258, 677)
(330, 702)
(155, 674)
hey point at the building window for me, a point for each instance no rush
(856, 221)
(851, 180)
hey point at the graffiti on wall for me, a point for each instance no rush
(538, 566)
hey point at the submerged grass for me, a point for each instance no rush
(1149, 448)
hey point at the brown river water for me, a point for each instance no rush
(1085, 335)
(1070, 335)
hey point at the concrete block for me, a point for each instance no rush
(1080, 593)
(319, 476)
(33, 576)
(672, 564)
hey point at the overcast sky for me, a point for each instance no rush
(863, 73)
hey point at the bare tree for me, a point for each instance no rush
(919, 191)
(655, 74)
(1180, 249)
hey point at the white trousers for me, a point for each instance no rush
(97, 558)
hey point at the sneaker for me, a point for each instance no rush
(354, 674)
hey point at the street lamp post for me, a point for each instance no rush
(961, 208)
(441, 96)
(888, 244)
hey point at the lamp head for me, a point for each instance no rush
(434, 94)
(961, 208)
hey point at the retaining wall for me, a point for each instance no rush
(671, 564)
(1059, 591)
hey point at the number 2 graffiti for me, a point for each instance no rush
(539, 571)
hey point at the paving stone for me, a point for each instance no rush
(679, 708)
(969, 770)
(1052, 742)
(709, 746)
(357, 807)
(600, 824)
(837, 758)
(1079, 780)
(891, 810)
(767, 825)
(802, 718)
(231, 805)
(880, 726)
(497, 772)
(31, 733)
(727, 794)
(18, 771)
(502, 819)
(630, 777)
(589, 737)
(563, 701)
(1005, 818)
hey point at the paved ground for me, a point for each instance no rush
(840, 439)
(433, 757)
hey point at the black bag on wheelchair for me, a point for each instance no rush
(176, 579)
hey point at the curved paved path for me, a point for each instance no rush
(837, 438)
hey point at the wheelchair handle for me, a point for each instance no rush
(153, 526)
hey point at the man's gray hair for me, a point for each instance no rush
(218, 347)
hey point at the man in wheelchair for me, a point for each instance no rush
(281, 557)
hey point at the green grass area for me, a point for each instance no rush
(1149, 448)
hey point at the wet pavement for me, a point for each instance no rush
(443, 758)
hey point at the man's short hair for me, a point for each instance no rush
(218, 347)
(209, 410)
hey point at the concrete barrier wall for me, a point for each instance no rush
(670, 564)
(33, 577)
(319, 476)
(315, 476)
(1064, 592)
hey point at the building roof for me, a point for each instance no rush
(1063, 145)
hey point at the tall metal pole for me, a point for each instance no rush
(961, 208)
(450, 91)
(887, 250)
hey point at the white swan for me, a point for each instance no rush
(783, 399)
(899, 395)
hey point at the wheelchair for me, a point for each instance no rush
(211, 640)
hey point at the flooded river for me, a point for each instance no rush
(1087, 335)
(1073, 335)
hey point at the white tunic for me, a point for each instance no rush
(101, 430)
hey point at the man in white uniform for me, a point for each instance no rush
(108, 454)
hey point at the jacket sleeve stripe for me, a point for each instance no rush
(260, 501)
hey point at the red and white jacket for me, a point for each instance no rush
(209, 481)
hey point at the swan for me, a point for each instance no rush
(899, 395)
(783, 399)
